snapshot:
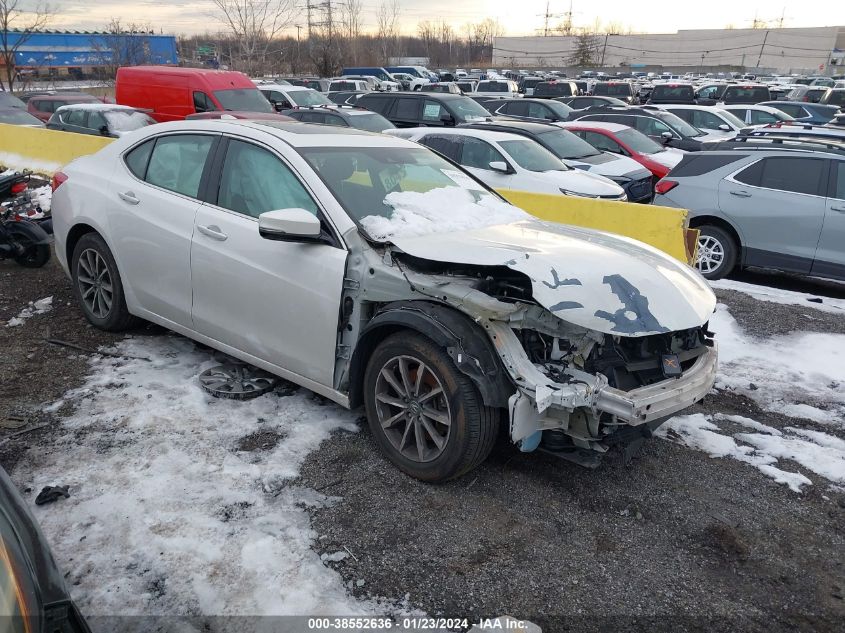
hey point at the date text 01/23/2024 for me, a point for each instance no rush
(374, 624)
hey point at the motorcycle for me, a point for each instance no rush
(21, 239)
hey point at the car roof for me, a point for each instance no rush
(283, 88)
(594, 125)
(485, 135)
(534, 127)
(293, 133)
(97, 105)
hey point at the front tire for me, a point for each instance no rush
(717, 252)
(35, 255)
(426, 416)
(98, 287)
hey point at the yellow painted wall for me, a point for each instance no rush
(44, 151)
(662, 227)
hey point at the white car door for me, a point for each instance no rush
(151, 221)
(830, 254)
(278, 301)
(476, 156)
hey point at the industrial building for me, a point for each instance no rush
(83, 53)
(815, 50)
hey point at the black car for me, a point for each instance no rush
(743, 93)
(622, 90)
(663, 127)
(555, 89)
(345, 97)
(575, 152)
(710, 94)
(536, 109)
(582, 103)
(32, 586)
(672, 93)
(357, 118)
(415, 109)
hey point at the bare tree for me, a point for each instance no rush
(351, 24)
(254, 25)
(387, 28)
(14, 15)
(122, 45)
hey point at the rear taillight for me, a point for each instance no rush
(18, 187)
(665, 186)
(59, 179)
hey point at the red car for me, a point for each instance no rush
(43, 106)
(621, 139)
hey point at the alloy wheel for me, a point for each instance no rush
(413, 409)
(711, 254)
(95, 283)
(237, 381)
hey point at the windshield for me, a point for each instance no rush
(467, 108)
(127, 120)
(731, 118)
(613, 90)
(390, 191)
(305, 98)
(532, 156)
(243, 99)
(370, 122)
(679, 125)
(11, 101)
(493, 86)
(639, 142)
(14, 116)
(566, 145)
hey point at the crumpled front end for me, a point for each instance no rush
(580, 392)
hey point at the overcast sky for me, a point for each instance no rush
(519, 17)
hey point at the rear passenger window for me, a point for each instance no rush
(839, 180)
(449, 146)
(798, 175)
(177, 162)
(479, 154)
(432, 110)
(515, 108)
(255, 181)
(406, 109)
(751, 175)
(74, 117)
(138, 158)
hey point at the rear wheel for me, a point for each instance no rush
(34, 256)
(98, 287)
(427, 417)
(717, 252)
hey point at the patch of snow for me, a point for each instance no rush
(807, 412)
(42, 196)
(35, 307)
(820, 453)
(161, 496)
(784, 297)
(807, 368)
(18, 162)
(441, 210)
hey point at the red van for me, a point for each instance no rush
(171, 94)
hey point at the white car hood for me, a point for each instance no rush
(669, 158)
(587, 183)
(598, 281)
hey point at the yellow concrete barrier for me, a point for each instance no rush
(44, 151)
(662, 227)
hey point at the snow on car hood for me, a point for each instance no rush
(598, 281)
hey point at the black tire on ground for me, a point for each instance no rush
(719, 238)
(117, 318)
(36, 255)
(473, 428)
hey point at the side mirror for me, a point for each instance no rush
(279, 106)
(666, 136)
(500, 166)
(104, 130)
(289, 225)
(447, 119)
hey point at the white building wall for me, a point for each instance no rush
(784, 50)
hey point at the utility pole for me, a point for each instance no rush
(308, 10)
(762, 48)
(604, 50)
(298, 29)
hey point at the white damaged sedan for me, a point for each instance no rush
(374, 272)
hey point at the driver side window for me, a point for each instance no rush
(202, 103)
(479, 154)
(254, 181)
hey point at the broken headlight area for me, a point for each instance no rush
(634, 384)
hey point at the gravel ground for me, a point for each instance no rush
(672, 541)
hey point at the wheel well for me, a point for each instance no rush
(701, 220)
(73, 237)
(464, 341)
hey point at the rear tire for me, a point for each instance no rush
(404, 420)
(717, 252)
(98, 287)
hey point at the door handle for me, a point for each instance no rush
(129, 196)
(838, 209)
(213, 231)
(741, 194)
